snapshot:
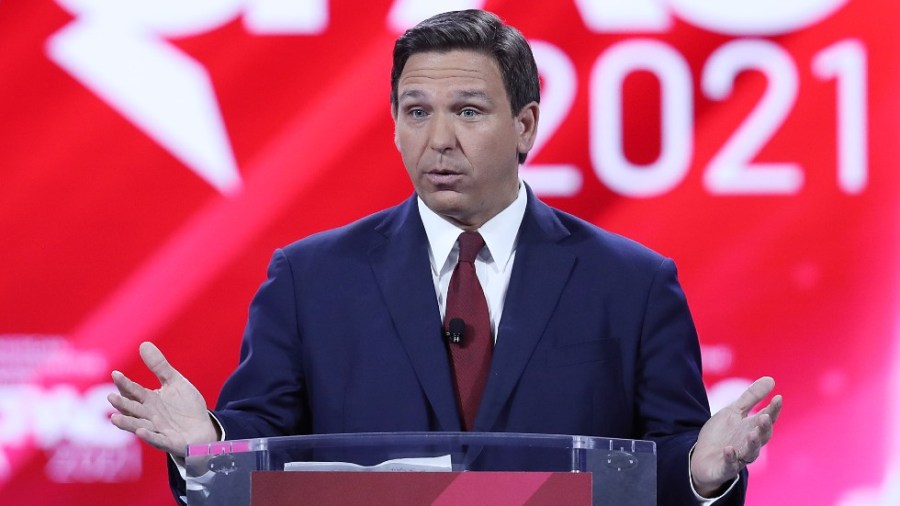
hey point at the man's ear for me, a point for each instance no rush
(526, 126)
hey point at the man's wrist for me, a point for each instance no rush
(704, 492)
(708, 492)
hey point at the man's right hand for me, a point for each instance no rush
(168, 418)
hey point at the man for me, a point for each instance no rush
(579, 331)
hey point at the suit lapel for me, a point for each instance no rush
(540, 272)
(403, 273)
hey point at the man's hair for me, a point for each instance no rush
(482, 32)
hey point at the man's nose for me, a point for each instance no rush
(442, 135)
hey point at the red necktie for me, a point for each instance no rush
(471, 357)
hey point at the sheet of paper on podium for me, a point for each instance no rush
(414, 464)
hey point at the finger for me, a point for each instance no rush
(765, 419)
(127, 406)
(157, 363)
(752, 446)
(754, 394)
(160, 442)
(129, 389)
(731, 455)
(733, 462)
(774, 408)
(764, 425)
(130, 423)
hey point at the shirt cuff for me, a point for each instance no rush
(707, 501)
(179, 462)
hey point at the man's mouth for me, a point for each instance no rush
(443, 177)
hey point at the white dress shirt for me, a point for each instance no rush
(493, 264)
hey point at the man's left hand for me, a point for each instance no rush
(732, 439)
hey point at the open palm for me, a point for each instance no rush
(170, 417)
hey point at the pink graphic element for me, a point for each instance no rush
(219, 448)
(498, 489)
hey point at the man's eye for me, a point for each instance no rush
(468, 113)
(417, 113)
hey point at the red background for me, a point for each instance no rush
(109, 239)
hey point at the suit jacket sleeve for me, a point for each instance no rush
(266, 395)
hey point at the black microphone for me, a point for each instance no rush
(455, 330)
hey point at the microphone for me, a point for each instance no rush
(455, 330)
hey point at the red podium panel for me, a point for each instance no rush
(274, 488)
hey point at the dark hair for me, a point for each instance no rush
(479, 31)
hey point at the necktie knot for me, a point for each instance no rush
(470, 243)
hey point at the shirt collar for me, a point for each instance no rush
(499, 233)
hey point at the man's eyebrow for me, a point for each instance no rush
(415, 94)
(475, 94)
(411, 94)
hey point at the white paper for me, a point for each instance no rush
(416, 464)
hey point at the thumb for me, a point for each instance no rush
(157, 363)
(754, 394)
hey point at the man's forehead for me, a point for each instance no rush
(457, 64)
(459, 82)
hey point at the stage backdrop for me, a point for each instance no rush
(154, 153)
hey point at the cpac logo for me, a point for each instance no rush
(72, 427)
(118, 50)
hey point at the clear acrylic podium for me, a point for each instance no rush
(623, 471)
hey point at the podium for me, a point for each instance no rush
(448, 468)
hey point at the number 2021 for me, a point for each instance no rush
(731, 171)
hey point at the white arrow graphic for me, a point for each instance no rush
(158, 88)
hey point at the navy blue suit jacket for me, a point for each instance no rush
(595, 339)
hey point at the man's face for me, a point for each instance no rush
(457, 135)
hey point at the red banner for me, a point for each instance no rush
(154, 153)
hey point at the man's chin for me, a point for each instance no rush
(446, 209)
(449, 205)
